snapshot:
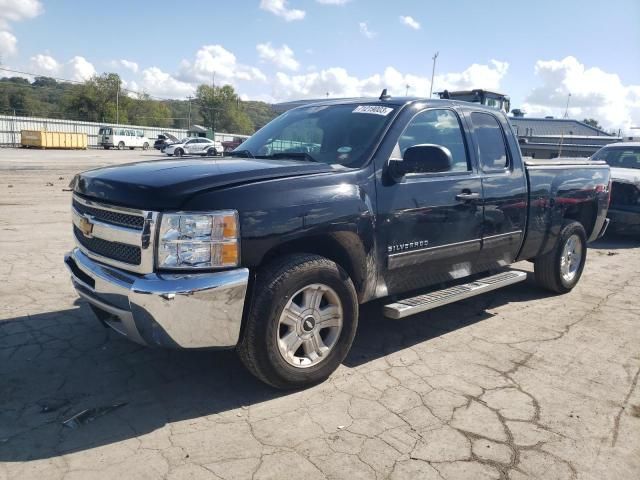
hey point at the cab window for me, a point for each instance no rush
(437, 127)
(492, 151)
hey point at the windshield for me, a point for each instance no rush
(620, 157)
(333, 134)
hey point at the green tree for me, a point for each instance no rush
(592, 122)
(144, 111)
(221, 110)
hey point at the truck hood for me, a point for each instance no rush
(626, 175)
(167, 184)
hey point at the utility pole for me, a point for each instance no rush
(327, 94)
(189, 98)
(118, 104)
(406, 93)
(566, 110)
(433, 72)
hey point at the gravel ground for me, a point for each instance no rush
(514, 384)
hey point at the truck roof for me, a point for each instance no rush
(391, 101)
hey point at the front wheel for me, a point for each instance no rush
(301, 321)
(560, 269)
(179, 153)
(121, 146)
(145, 146)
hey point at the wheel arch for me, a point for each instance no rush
(343, 248)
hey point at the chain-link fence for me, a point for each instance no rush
(11, 126)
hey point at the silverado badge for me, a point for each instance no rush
(86, 227)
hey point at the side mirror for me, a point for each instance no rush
(426, 158)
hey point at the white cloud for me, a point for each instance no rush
(282, 57)
(594, 94)
(476, 76)
(216, 59)
(410, 22)
(14, 11)
(129, 65)
(79, 69)
(364, 30)
(280, 9)
(17, 10)
(45, 65)
(8, 43)
(159, 83)
(338, 82)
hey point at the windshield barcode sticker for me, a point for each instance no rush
(373, 109)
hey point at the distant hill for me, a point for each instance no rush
(95, 100)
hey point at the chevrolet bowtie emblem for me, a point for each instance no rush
(86, 227)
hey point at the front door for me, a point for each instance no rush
(431, 223)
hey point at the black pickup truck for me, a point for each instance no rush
(272, 249)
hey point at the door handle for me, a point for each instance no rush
(466, 196)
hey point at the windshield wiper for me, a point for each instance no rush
(242, 154)
(292, 156)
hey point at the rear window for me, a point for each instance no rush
(491, 149)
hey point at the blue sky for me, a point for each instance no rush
(537, 52)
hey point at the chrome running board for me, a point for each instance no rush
(437, 298)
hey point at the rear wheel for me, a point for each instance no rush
(560, 269)
(301, 321)
(121, 146)
(212, 152)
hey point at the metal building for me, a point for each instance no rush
(559, 137)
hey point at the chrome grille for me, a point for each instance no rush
(114, 250)
(109, 216)
(117, 236)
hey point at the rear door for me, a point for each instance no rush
(504, 188)
(431, 223)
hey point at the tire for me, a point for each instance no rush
(121, 146)
(170, 154)
(178, 152)
(145, 146)
(212, 152)
(107, 148)
(559, 270)
(280, 285)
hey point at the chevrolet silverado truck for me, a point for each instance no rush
(272, 250)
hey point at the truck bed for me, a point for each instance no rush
(560, 189)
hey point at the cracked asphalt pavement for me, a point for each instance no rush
(514, 384)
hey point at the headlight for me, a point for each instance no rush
(199, 240)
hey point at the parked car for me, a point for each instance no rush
(624, 160)
(164, 140)
(121, 138)
(231, 145)
(418, 202)
(195, 146)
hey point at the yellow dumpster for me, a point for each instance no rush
(45, 139)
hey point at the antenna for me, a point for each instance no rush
(433, 72)
(384, 95)
(566, 110)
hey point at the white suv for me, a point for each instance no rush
(195, 146)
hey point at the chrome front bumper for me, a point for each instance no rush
(199, 310)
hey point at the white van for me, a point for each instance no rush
(122, 138)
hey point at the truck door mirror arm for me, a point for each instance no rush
(426, 158)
